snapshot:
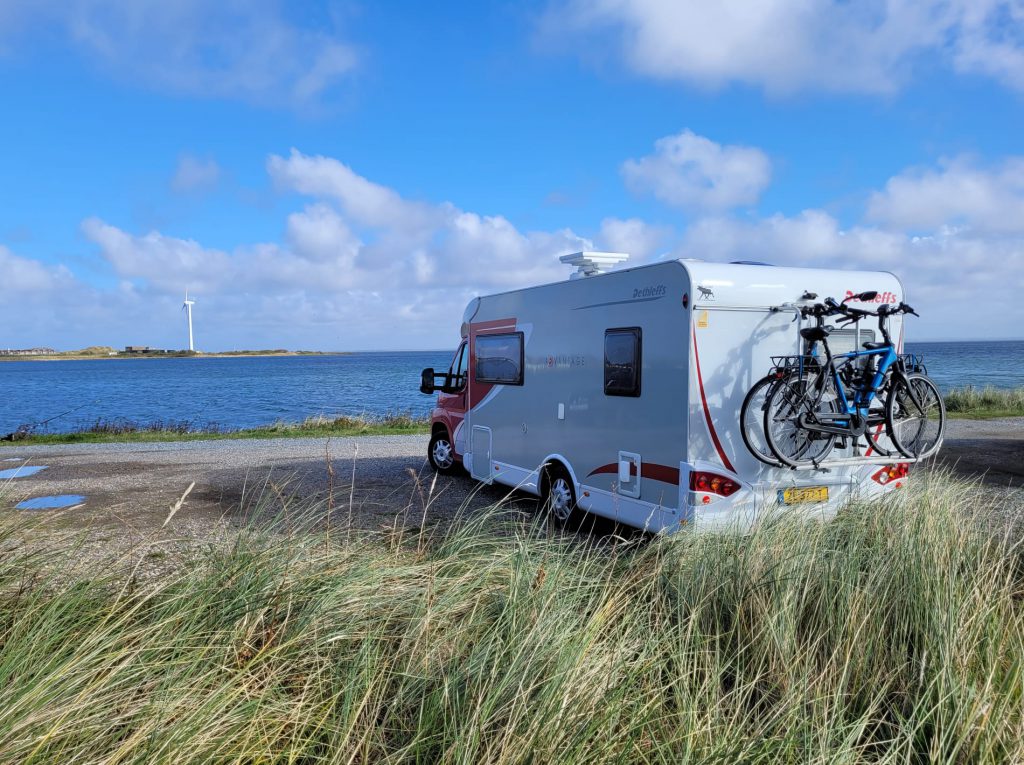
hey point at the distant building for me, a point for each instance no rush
(27, 352)
(141, 350)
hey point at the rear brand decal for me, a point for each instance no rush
(706, 293)
(707, 411)
(881, 297)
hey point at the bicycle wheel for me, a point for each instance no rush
(752, 420)
(876, 420)
(915, 416)
(792, 444)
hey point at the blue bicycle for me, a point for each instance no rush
(817, 402)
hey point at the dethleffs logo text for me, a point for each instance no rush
(881, 297)
(648, 292)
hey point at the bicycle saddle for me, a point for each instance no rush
(815, 333)
(875, 346)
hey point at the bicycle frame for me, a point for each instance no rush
(864, 396)
(854, 417)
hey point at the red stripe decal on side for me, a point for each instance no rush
(662, 473)
(707, 411)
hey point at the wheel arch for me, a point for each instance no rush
(558, 461)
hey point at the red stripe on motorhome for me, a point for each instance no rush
(707, 411)
(663, 473)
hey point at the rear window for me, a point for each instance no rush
(846, 340)
(499, 359)
(622, 361)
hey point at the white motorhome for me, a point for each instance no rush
(619, 392)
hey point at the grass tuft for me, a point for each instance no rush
(893, 634)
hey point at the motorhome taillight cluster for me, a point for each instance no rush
(712, 483)
(891, 473)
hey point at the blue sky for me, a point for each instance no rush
(346, 175)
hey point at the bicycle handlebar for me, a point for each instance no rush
(831, 308)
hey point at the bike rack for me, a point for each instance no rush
(892, 459)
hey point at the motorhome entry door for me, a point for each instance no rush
(481, 464)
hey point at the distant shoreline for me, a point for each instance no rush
(171, 355)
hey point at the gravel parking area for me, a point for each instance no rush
(129, 488)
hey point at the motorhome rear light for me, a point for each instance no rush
(686, 300)
(891, 473)
(713, 483)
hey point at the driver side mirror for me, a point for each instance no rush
(450, 384)
(427, 380)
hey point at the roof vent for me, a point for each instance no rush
(593, 263)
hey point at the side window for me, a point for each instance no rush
(499, 359)
(458, 369)
(622, 362)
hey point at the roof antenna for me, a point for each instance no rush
(593, 263)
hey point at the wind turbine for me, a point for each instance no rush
(187, 308)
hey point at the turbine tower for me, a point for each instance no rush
(187, 308)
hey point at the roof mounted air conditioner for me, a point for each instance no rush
(593, 263)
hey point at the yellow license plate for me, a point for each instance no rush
(799, 494)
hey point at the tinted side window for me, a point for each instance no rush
(622, 362)
(499, 358)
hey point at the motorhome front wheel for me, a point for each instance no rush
(441, 453)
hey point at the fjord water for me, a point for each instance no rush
(251, 391)
(227, 392)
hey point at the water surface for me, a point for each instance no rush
(252, 391)
(54, 502)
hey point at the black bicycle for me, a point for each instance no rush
(817, 402)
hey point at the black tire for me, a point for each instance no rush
(791, 444)
(752, 421)
(915, 416)
(441, 453)
(559, 497)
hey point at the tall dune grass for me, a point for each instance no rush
(971, 401)
(893, 634)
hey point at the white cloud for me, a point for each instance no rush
(959, 193)
(790, 45)
(195, 173)
(21, 275)
(366, 202)
(693, 172)
(358, 267)
(963, 283)
(991, 40)
(431, 244)
(249, 50)
(640, 239)
(350, 273)
(168, 263)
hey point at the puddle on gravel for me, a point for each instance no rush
(55, 502)
(21, 472)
